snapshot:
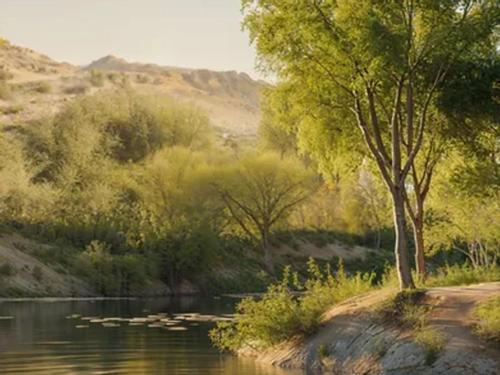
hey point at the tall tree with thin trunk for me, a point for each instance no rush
(376, 65)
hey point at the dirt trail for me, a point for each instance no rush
(452, 313)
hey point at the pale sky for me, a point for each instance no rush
(185, 33)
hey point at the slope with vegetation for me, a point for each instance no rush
(377, 333)
(33, 85)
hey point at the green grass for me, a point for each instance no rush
(463, 275)
(404, 309)
(488, 315)
(432, 341)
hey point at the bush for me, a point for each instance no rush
(11, 110)
(463, 275)
(488, 316)
(6, 269)
(432, 341)
(76, 89)
(37, 273)
(280, 315)
(403, 309)
(42, 87)
(96, 78)
(5, 91)
(113, 275)
(142, 79)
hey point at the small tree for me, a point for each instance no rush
(259, 191)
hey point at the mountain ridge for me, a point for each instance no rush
(230, 98)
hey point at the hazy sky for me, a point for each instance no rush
(186, 33)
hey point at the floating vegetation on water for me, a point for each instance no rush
(138, 320)
(177, 328)
(110, 325)
(160, 320)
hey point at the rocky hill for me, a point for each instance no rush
(33, 85)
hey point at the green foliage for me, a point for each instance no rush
(465, 207)
(463, 275)
(323, 351)
(432, 341)
(260, 191)
(488, 315)
(6, 270)
(280, 314)
(113, 275)
(404, 309)
(37, 273)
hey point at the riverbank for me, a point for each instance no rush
(31, 268)
(351, 341)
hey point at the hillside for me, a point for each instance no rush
(38, 85)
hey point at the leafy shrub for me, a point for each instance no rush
(463, 275)
(96, 78)
(488, 315)
(113, 275)
(403, 309)
(5, 91)
(142, 79)
(432, 341)
(323, 351)
(37, 273)
(76, 89)
(280, 315)
(6, 269)
(42, 87)
(11, 110)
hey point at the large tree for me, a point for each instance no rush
(376, 65)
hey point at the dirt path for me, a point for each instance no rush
(453, 313)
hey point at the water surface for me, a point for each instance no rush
(43, 339)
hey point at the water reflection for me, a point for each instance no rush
(42, 340)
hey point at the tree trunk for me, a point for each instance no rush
(401, 243)
(268, 260)
(418, 235)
